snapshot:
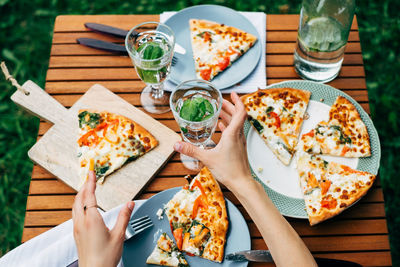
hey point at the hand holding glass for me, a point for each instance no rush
(196, 105)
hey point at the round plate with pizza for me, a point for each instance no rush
(138, 249)
(227, 46)
(279, 177)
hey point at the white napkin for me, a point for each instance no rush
(55, 247)
(258, 78)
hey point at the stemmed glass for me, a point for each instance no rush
(151, 47)
(196, 105)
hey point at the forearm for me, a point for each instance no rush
(281, 238)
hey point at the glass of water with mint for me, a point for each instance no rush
(322, 36)
(196, 105)
(151, 47)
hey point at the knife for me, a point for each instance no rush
(265, 256)
(116, 32)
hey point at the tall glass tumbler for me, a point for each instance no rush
(196, 105)
(151, 47)
(322, 36)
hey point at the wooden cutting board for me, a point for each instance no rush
(56, 151)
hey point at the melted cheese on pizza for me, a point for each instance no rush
(277, 116)
(109, 140)
(344, 134)
(166, 253)
(215, 46)
(329, 187)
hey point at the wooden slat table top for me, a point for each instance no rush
(359, 234)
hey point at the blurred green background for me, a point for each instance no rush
(25, 39)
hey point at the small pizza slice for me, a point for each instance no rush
(216, 46)
(277, 115)
(166, 253)
(198, 217)
(329, 187)
(344, 134)
(110, 140)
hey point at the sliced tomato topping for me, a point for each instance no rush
(276, 117)
(207, 36)
(345, 150)
(329, 202)
(205, 74)
(89, 139)
(310, 134)
(223, 64)
(198, 203)
(325, 186)
(178, 237)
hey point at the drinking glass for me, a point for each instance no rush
(150, 45)
(322, 36)
(197, 132)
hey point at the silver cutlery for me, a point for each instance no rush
(265, 256)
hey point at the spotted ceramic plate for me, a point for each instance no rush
(281, 182)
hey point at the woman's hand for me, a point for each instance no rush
(228, 160)
(97, 245)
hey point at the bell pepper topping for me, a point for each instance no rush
(89, 139)
(91, 165)
(197, 184)
(178, 237)
(198, 203)
(345, 149)
(310, 134)
(276, 117)
(325, 186)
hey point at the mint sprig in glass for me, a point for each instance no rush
(151, 46)
(196, 105)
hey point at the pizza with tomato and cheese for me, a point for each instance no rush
(166, 253)
(198, 218)
(344, 134)
(216, 46)
(277, 115)
(109, 141)
(329, 187)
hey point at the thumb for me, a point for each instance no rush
(189, 150)
(122, 220)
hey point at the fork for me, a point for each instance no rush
(135, 227)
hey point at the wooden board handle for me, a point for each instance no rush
(40, 103)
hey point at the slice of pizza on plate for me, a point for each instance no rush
(166, 253)
(198, 218)
(277, 115)
(329, 187)
(344, 134)
(216, 46)
(110, 140)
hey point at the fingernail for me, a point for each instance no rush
(131, 204)
(178, 146)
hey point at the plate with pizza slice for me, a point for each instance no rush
(222, 46)
(194, 225)
(310, 143)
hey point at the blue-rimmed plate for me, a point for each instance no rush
(184, 69)
(281, 182)
(140, 247)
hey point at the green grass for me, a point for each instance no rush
(25, 39)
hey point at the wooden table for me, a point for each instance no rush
(359, 234)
